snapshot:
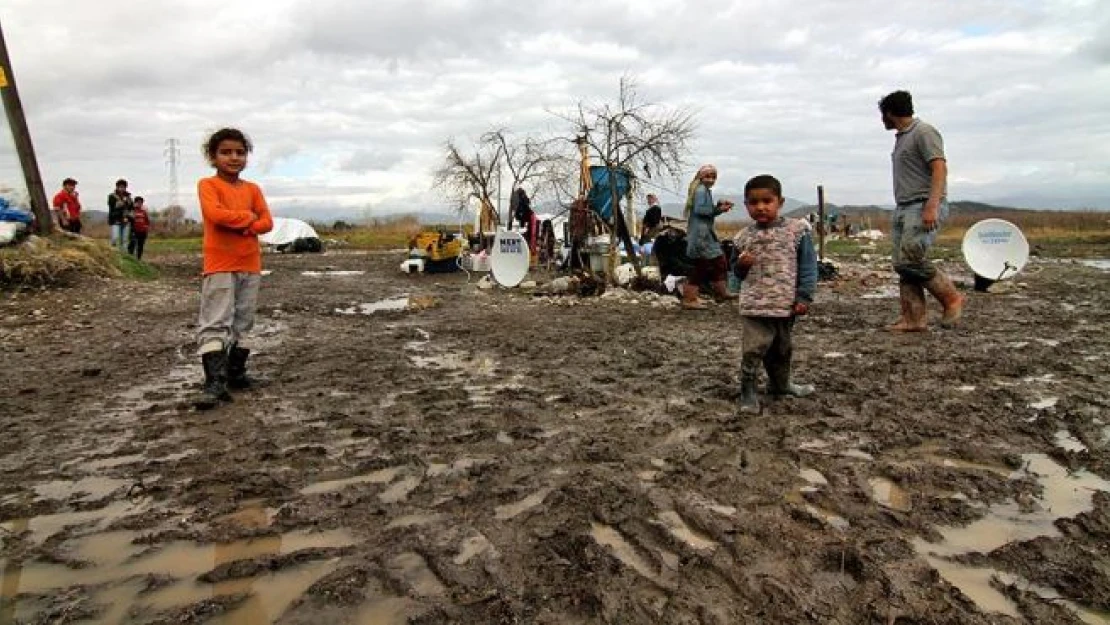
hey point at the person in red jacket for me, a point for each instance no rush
(67, 207)
(140, 227)
(234, 213)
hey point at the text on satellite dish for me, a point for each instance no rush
(998, 236)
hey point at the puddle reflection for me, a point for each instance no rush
(115, 561)
(1065, 494)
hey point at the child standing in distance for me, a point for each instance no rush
(140, 227)
(120, 208)
(67, 206)
(234, 213)
(778, 266)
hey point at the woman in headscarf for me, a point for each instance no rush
(709, 262)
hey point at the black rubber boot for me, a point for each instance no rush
(237, 368)
(215, 381)
(779, 384)
(749, 395)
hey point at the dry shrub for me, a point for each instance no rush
(44, 262)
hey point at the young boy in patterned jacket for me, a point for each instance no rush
(778, 268)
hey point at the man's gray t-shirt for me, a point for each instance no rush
(914, 148)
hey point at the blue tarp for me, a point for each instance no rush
(600, 197)
(11, 213)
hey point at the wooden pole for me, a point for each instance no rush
(821, 222)
(23, 146)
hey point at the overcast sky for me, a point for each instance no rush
(350, 101)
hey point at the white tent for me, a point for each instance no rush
(287, 230)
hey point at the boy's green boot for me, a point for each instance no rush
(749, 395)
(779, 384)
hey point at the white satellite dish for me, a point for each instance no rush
(995, 249)
(509, 259)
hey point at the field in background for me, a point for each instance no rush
(377, 234)
(1051, 233)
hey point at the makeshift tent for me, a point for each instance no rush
(287, 230)
(292, 235)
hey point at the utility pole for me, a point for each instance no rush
(173, 153)
(23, 146)
(173, 212)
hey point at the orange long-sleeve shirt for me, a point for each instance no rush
(234, 215)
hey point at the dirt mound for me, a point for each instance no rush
(43, 262)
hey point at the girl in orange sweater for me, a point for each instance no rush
(234, 214)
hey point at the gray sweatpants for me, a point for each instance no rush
(227, 303)
(767, 341)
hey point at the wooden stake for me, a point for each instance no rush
(22, 137)
(821, 222)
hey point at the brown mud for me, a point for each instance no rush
(460, 455)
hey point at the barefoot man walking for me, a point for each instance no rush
(920, 193)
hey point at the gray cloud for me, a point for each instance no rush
(362, 161)
(348, 101)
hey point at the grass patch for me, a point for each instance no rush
(174, 245)
(370, 239)
(131, 267)
(845, 247)
(385, 234)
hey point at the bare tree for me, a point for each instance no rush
(462, 177)
(528, 160)
(631, 136)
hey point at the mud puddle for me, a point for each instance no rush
(889, 495)
(112, 462)
(84, 489)
(820, 515)
(473, 367)
(623, 550)
(45, 526)
(1097, 263)
(1068, 442)
(332, 272)
(827, 448)
(815, 480)
(473, 547)
(394, 304)
(381, 476)
(455, 361)
(1064, 495)
(966, 465)
(412, 570)
(513, 510)
(886, 292)
(113, 560)
(678, 528)
(1044, 404)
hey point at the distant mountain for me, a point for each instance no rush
(790, 206)
(93, 217)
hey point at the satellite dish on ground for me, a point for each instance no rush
(509, 259)
(995, 249)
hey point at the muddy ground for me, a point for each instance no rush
(490, 456)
